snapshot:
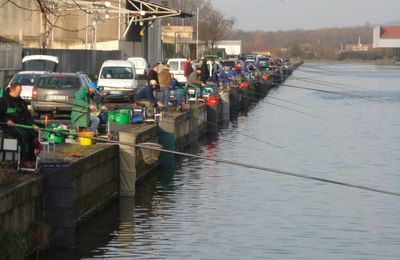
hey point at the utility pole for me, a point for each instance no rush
(197, 33)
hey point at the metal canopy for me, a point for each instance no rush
(136, 10)
(146, 11)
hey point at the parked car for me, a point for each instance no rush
(262, 63)
(117, 80)
(141, 66)
(27, 79)
(227, 64)
(54, 92)
(176, 67)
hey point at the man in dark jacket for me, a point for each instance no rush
(205, 72)
(144, 98)
(194, 81)
(153, 75)
(13, 112)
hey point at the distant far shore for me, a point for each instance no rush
(379, 62)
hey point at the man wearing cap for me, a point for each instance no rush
(144, 97)
(81, 108)
(194, 80)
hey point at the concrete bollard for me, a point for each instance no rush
(212, 119)
(127, 165)
(225, 106)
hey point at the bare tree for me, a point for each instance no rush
(213, 26)
(50, 12)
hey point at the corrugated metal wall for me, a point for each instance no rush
(10, 56)
(88, 61)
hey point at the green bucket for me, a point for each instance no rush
(110, 116)
(50, 126)
(122, 118)
(56, 136)
(124, 111)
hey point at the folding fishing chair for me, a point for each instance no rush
(11, 151)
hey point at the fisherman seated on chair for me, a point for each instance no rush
(145, 98)
(194, 80)
(98, 112)
(176, 89)
(14, 112)
(83, 105)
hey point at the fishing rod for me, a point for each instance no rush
(272, 97)
(327, 84)
(346, 73)
(248, 136)
(246, 165)
(261, 168)
(283, 107)
(338, 93)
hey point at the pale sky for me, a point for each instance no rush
(275, 15)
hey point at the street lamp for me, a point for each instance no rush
(197, 33)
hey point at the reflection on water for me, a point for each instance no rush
(206, 210)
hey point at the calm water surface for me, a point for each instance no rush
(206, 210)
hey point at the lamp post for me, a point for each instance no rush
(197, 33)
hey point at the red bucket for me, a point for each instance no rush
(212, 101)
(244, 84)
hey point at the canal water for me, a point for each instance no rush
(206, 210)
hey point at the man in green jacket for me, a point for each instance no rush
(81, 107)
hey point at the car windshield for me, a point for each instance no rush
(59, 82)
(25, 79)
(116, 73)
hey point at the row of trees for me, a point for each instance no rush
(327, 43)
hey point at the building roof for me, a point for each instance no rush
(2, 39)
(390, 32)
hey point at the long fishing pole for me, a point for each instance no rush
(262, 168)
(337, 93)
(246, 165)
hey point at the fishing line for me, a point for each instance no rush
(260, 96)
(339, 93)
(349, 73)
(281, 106)
(249, 136)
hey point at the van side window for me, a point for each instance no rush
(174, 65)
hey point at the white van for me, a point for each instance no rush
(117, 79)
(176, 67)
(140, 66)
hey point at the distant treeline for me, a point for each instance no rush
(313, 44)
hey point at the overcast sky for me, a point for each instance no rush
(275, 15)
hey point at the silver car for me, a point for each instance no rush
(53, 93)
(27, 79)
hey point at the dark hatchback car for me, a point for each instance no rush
(227, 64)
(54, 92)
